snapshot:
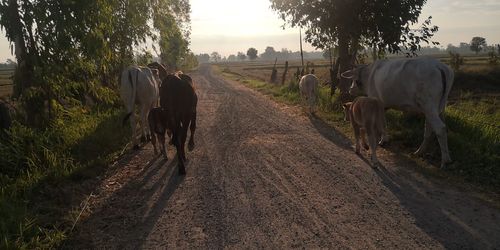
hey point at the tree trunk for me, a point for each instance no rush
(283, 79)
(23, 76)
(344, 65)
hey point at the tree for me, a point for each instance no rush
(203, 58)
(252, 53)
(241, 56)
(231, 58)
(215, 56)
(381, 25)
(477, 44)
(97, 38)
(269, 53)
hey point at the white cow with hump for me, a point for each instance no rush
(415, 84)
(139, 85)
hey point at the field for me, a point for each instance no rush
(6, 82)
(472, 116)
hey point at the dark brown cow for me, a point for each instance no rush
(178, 98)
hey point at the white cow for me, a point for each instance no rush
(139, 85)
(418, 84)
(308, 90)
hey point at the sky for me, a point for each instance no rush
(229, 26)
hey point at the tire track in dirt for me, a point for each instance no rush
(264, 175)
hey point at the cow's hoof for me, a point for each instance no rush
(445, 164)
(136, 147)
(365, 146)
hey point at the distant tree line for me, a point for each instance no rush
(477, 45)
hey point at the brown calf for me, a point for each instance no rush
(366, 115)
(158, 125)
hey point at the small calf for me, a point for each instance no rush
(367, 115)
(158, 125)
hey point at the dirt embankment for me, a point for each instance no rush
(265, 175)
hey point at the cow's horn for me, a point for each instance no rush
(344, 75)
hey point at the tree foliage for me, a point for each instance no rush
(477, 44)
(241, 56)
(252, 53)
(384, 25)
(67, 49)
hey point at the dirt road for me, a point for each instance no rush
(265, 175)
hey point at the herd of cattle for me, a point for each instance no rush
(419, 85)
(148, 86)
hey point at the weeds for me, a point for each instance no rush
(35, 161)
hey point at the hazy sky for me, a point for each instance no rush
(229, 26)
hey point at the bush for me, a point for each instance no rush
(456, 61)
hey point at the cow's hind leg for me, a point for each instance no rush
(193, 129)
(372, 139)
(144, 125)
(440, 129)
(356, 138)
(133, 125)
(427, 137)
(161, 138)
(362, 133)
(153, 141)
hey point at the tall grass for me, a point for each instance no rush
(472, 118)
(78, 144)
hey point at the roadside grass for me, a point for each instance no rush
(472, 117)
(42, 172)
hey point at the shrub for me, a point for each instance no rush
(456, 61)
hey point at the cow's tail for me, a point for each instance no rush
(447, 78)
(133, 85)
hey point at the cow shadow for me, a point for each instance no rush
(438, 211)
(329, 132)
(128, 216)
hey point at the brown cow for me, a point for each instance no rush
(158, 125)
(178, 98)
(366, 115)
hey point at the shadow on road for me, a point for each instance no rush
(330, 133)
(127, 217)
(441, 213)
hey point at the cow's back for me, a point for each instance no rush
(406, 83)
(177, 97)
(308, 83)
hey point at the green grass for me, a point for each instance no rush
(42, 171)
(472, 117)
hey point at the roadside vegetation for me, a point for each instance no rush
(472, 117)
(60, 113)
